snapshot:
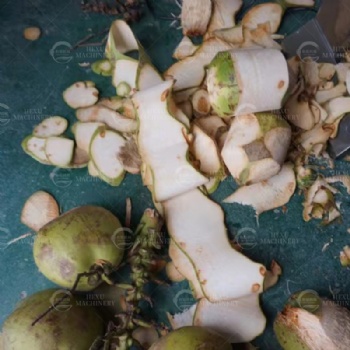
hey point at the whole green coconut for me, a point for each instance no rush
(70, 327)
(74, 242)
(191, 338)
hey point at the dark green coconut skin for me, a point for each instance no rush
(74, 242)
(73, 328)
(192, 338)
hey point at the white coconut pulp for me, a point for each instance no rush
(247, 81)
(193, 231)
(195, 16)
(163, 146)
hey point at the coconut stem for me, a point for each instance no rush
(141, 258)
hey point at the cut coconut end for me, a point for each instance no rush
(205, 150)
(200, 233)
(130, 157)
(103, 67)
(35, 147)
(125, 73)
(162, 143)
(184, 49)
(201, 103)
(52, 126)
(120, 40)
(273, 193)
(190, 72)
(104, 149)
(260, 14)
(239, 321)
(83, 133)
(173, 274)
(223, 16)
(39, 209)
(112, 119)
(59, 151)
(81, 94)
(195, 16)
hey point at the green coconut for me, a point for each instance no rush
(311, 323)
(222, 85)
(74, 242)
(67, 327)
(191, 338)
